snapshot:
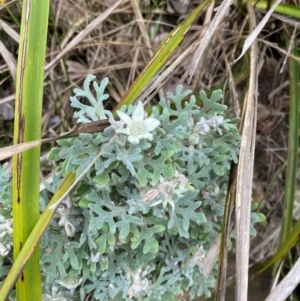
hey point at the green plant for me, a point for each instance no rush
(138, 224)
(27, 127)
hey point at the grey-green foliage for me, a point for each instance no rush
(138, 224)
(5, 220)
(144, 211)
(5, 193)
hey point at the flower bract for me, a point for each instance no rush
(137, 127)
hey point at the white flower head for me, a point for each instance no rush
(205, 125)
(95, 257)
(137, 127)
(64, 211)
(202, 126)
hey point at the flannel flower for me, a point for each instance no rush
(137, 127)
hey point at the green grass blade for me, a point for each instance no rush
(285, 9)
(292, 239)
(293, 142)
(28, 113)
(160, 57)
